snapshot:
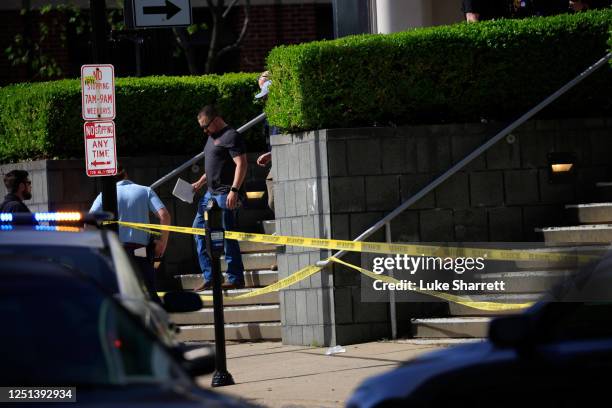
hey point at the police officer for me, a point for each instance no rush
(134, 202)
(19, 189)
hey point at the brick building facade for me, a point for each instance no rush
(271, 23)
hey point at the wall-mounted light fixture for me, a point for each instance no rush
(561, 167)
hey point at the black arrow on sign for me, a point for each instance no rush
(170, 9)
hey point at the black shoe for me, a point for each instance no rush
(232, 285)
(204, 286)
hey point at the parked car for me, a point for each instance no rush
(557, 353)
(96, 253)
(62, 328)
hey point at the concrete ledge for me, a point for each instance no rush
(236, 332)
(239, 314)
(251, 279)
(451, 327)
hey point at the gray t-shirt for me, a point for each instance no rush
(219, 152)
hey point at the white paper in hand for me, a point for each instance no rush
(183, 191)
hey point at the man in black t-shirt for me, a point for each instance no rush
(19, 189)
(225, 167)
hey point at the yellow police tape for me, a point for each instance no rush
(374, 247)
(281, 284)
(311, 270)
(464, 301)
(377, 247)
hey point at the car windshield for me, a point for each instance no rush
(60, 330)
(86, 260)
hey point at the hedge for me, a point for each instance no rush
(154, 115)
(458, 73)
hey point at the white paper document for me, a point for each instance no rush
(183, 191)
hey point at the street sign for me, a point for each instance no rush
(100, 151)
(98, 92)
(161, 13)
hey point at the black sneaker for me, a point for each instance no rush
(232, 285)
(204, 286)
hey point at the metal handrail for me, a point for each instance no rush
(200, 156)
(465, 161)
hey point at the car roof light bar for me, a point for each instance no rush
(60, 217)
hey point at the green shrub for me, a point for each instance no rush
(154, 115)
(459, 73)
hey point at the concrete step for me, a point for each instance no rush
(269, 227)
(234, 332)
(231, 314)
(595, 250)
(594, 213)
(586, 234)
(247, 247)
(525, 282)
(256, 261)
(251, 279)
(451, 327)
(266, 299)
(461, 310)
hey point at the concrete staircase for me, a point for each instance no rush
(526, 281)
(250, 319)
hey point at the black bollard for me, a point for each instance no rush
(215, 238)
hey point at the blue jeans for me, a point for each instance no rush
(235, 268)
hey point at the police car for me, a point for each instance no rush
(59, 237)
(63, 329)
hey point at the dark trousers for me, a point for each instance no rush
(146, 269)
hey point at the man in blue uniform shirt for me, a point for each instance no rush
(134, 203)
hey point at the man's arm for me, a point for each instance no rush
(239, 176)
(162, 243)
(472, 17)
(200, 183)
(264, 159)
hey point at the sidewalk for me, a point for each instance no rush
(274, 375)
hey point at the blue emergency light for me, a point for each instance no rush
(53, 217)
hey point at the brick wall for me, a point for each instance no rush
(269, 26)
(10, 25)
(13, 24)
(273, 25)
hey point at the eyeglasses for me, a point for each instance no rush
(207, 125)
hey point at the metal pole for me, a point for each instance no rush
(466, 160)
(214, 247)
(200, 156)
(392, 305)
(100, 55)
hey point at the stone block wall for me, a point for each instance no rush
(337, 183)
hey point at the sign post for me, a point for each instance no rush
(99, 48)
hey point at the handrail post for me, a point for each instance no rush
(392, 305)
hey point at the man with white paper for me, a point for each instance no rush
(225, 165)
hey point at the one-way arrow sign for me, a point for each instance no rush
(161, 13)
(170, 9)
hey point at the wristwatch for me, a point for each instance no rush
(234, 189)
